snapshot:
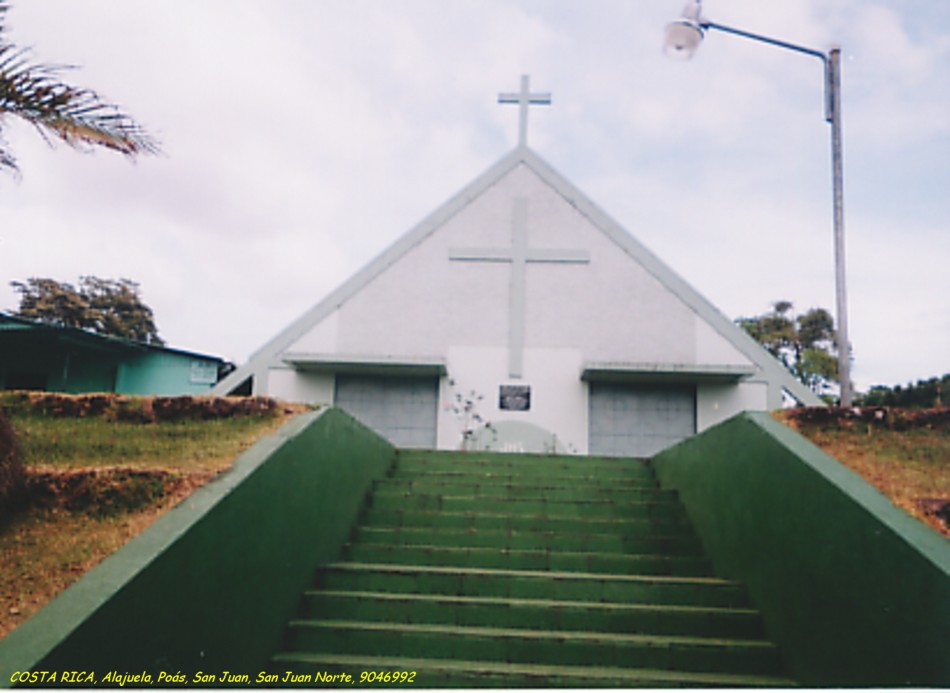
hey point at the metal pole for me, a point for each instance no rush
(832, 63)
(706, 24)
(833, 67)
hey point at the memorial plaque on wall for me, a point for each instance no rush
(515, 397)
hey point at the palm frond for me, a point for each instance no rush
(77, 116)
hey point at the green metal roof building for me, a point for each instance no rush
(35, 356)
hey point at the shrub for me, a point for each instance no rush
(892, 418)
(101, 492)
(130, 410)
(11, 466)
(134, 409)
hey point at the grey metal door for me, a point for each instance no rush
(404, 410)
(639, 420)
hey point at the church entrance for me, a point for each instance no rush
(403, 409)
(639, 420)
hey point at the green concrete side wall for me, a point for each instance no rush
(212, 584)
(854, 591)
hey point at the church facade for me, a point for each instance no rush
(523, 303)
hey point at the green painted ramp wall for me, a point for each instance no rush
(212, 584)
(854, 591)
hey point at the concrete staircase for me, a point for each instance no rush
(479, 570)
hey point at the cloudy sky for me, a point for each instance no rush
(302, 137)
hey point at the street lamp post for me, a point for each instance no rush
(683, 37)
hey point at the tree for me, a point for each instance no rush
(105, 306)
(74, 115)
(922, 395)
(805, 343)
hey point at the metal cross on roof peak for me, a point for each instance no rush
(524, 99)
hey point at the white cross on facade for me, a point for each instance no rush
(518, 255)
(524, 99)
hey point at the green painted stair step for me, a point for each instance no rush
(447, 673)
(591, 509)
(499, 520)
(538, 614)
(532, 584)
(677, 540)
(566, 490)
(491, 570)
(524, 466)
(486, 474)
(519, 645)
(516, 559)
(407, 458)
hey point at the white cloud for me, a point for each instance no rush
(304, 136)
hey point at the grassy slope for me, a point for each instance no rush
(45, 549)
(97, 484)
(911, 467)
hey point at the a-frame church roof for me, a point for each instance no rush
(765, 367)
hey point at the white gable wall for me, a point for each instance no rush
(301, 386)
(712, 347)
(322, 338)
(716, 403)
(558, 396)
(618, 306)
(611, 309)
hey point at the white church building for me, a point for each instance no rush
(521, 290)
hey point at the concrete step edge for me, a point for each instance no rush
(709, 611)
(681, 521)
(435, 548)
(540, 574)
(608, 675)
(521, 471)
(384, 494)
(488, 457)
(594, 484)
(607, 487)
(551, 534)
(631, 639)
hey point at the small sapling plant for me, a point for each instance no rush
(464, 405)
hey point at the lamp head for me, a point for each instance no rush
(684, 35)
